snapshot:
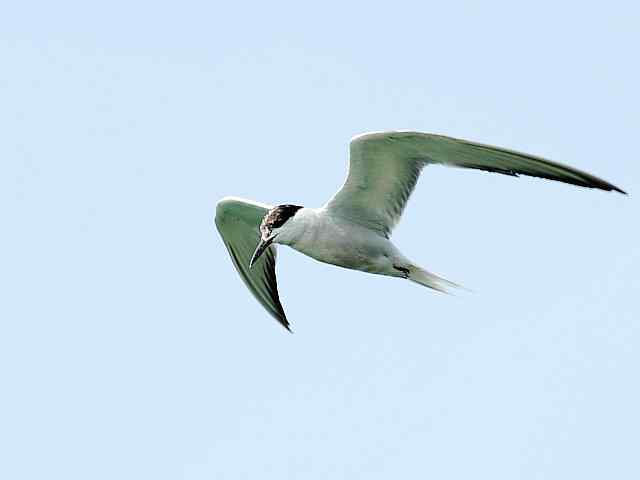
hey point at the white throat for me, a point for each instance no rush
(299, 227)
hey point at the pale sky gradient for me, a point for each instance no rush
(129, 347)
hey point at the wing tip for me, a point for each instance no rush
(606, 186)
(282, 320)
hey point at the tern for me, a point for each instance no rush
(353, 228)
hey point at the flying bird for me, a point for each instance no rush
(353, 228)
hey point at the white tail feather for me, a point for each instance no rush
(431, 280)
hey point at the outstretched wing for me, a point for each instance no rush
(238, 222)
(384, 168)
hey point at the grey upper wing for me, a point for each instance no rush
(384, 168)
(238, 222)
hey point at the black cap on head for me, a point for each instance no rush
(278, 216)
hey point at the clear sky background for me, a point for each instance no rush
(129, 347)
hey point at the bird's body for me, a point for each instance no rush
(353, 229)
(321, 235)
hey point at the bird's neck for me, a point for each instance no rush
(299, 227)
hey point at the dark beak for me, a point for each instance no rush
(262, 246)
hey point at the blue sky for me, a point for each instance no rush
(129, 348)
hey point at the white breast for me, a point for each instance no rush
(333, 240)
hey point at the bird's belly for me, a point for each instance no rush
(348, 251)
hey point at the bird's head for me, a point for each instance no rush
(276, 222)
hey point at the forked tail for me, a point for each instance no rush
(431, 280)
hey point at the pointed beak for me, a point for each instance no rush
(262, 246)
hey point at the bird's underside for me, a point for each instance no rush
(383, 170)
